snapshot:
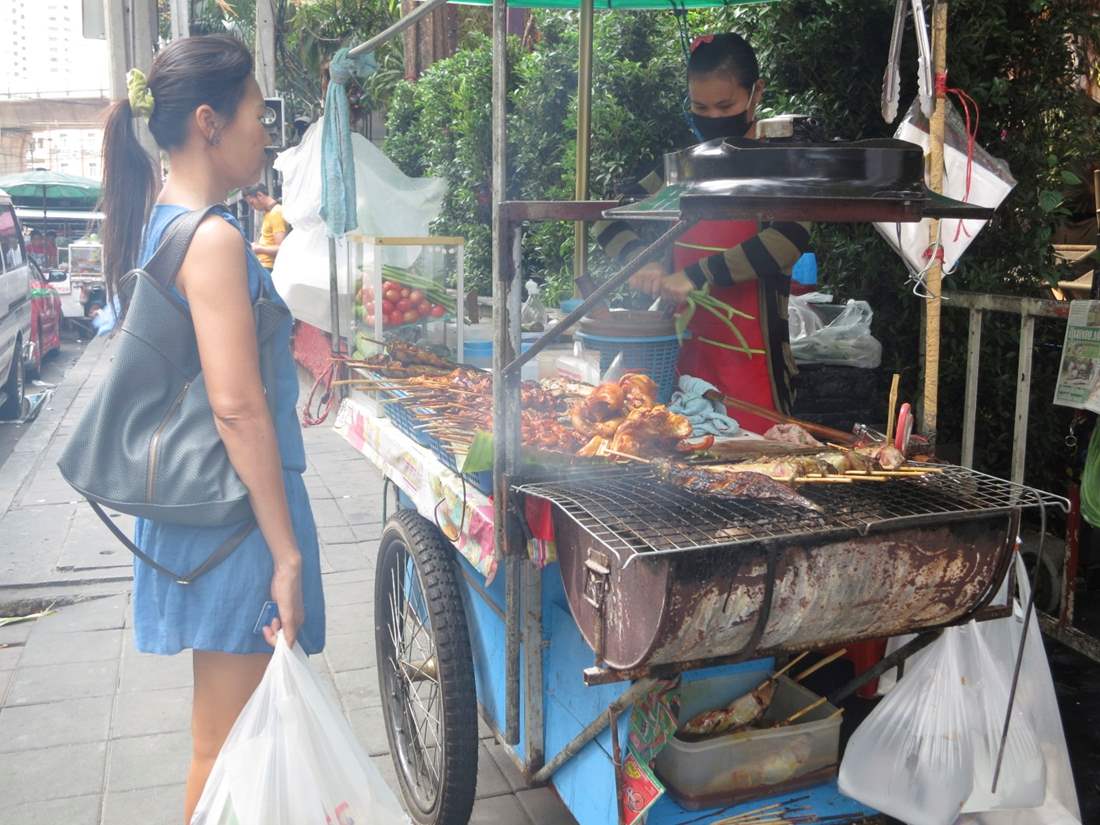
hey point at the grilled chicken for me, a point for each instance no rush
(638, 391)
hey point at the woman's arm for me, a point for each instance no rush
(214, 279)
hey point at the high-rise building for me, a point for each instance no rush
(43, 52)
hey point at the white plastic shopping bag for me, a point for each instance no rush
(291, 758)
(912, 757)
(1036, 700)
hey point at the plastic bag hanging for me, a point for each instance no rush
(291, 758)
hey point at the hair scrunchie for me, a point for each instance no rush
(137, 90)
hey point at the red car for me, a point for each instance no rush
(45, 320)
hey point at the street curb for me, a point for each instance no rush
(26, 461)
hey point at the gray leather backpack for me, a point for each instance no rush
(147, 445)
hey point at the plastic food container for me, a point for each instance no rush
(479, 353)
(760, 762)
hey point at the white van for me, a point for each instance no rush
(15, 310)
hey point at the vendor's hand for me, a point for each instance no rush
(257, 246)
(648, 279)
(676, 287)
(286, 592)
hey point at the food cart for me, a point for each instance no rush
(560, 601)
(85, 291)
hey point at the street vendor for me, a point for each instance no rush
(746, 264)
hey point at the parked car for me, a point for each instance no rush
(15, 311)
(45, 316)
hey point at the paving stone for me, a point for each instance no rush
(507, 767)
(483, 729)
(328, 684)
(490, 781)
(55, 683)
(389, 773)
(497, 810)
(9, 656)
(56, 723)
(148, 761)
(370, 729)
(351, 618)
(365, 574)
(152, 711)
(148, 806)
(544, 807)
(350, 651)
(343, 594)
(361, 509)
(327, 514)
(345, 557)
(72, 810)
(5, 680)
(330, 536)
(369, 533)
(52, 773)
(59, 648)
(16, 634)
(359, 688)
(91, 546)
(109, 613)
(148, 671)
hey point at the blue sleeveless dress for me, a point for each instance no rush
(219, 610)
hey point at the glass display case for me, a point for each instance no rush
(85, 260)
(408, 289)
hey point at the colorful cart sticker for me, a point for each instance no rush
(638, 789)
(463, 513)
(654, 720)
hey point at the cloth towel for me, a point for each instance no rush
(707, 417)
(338, 208)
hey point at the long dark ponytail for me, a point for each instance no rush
(190, 72)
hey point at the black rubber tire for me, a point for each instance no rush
(1048, 590)
(14, 386)
(433, 557)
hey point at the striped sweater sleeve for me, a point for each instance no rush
(615, 237)
(767, 256)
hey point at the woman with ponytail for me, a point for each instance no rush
(204, 110)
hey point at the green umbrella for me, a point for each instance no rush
(43, 185)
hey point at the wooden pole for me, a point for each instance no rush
(934, 277)
(584, 136)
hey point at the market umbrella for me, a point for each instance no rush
(44, 185)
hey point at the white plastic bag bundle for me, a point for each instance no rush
(968, 670)
(912, 757)
(291, 758)
(1036, 700)
(845, 341)
(990, 183)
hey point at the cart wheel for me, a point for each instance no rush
(426, 671)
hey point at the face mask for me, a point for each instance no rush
(712, 128)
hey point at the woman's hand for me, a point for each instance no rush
(648, 278)
(676, 287)
(286, 592)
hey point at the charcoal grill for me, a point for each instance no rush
(657, 575)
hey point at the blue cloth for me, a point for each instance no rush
(707, 417)
(338, 208)
(219, 610)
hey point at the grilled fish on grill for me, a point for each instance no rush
(728, 481)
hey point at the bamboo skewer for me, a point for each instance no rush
(798, 714)
(787, 666)
(891, 420)
(814, 668)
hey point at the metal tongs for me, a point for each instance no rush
(891, 81)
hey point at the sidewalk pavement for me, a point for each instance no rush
(93, 732)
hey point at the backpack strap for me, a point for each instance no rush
(165, 264)
(216, 558)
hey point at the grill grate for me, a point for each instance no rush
(629, 510)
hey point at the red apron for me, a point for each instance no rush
(736, 374)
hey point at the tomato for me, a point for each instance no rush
(405, 292)
(412, 316)
(416, 296)
(392, 295)
(403, 305)
(390, 285)
(423, 307)
(370, 309)
(387, 307)
(438, 311)
(368, 290)
(396, 318)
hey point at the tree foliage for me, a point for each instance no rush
(1022, 60)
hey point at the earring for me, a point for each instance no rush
(215, 139)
